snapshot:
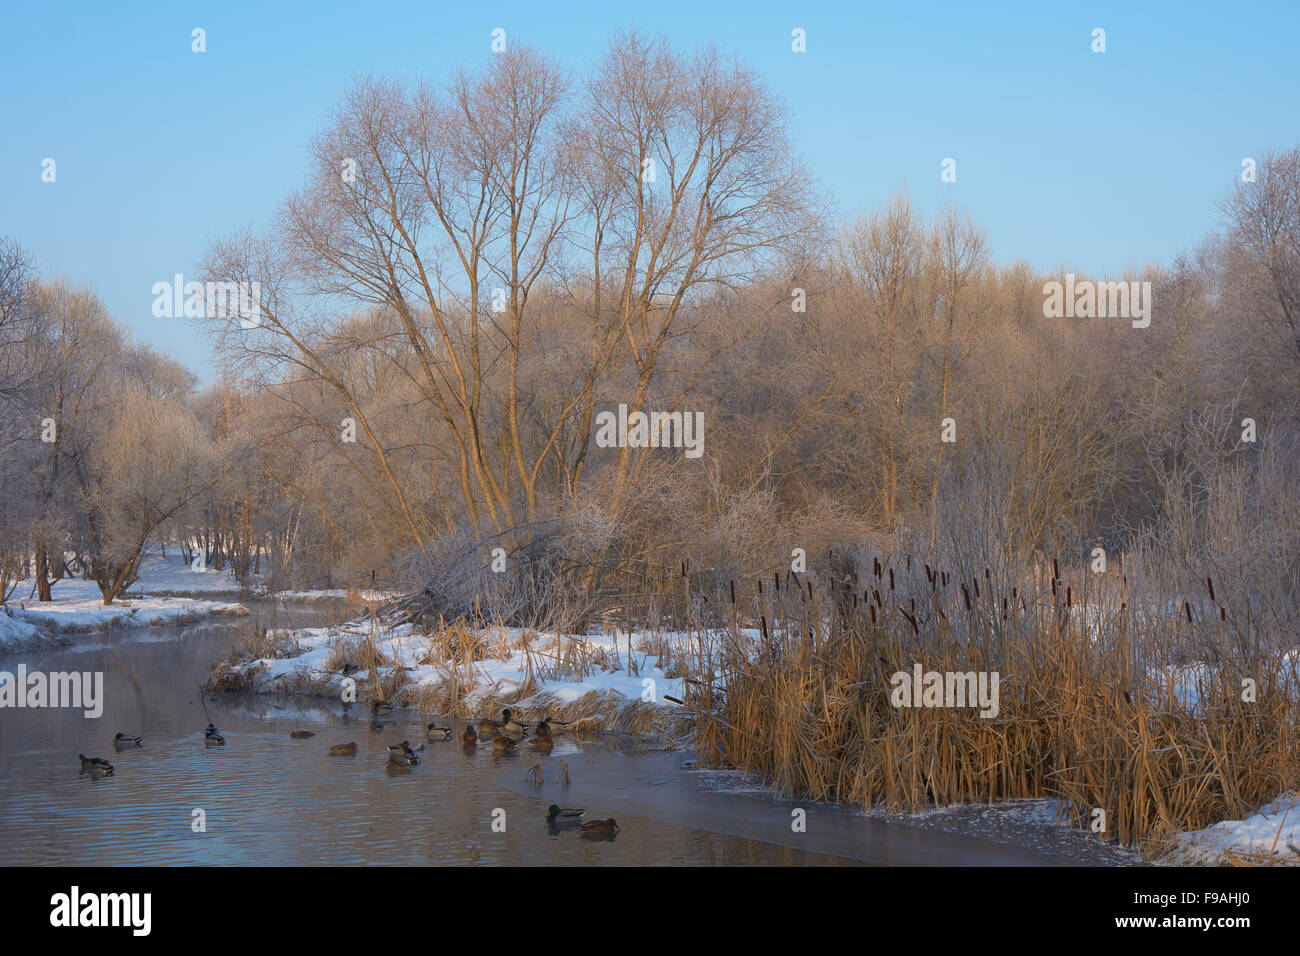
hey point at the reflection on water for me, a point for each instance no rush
(269, 799)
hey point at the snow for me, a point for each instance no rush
(16, 634)
(504, 672)
(78, 606)
(1267, 836)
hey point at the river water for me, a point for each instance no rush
(269, 799)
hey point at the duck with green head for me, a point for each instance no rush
(124, 741)
(90, 764)
(435, 733)
(397, 761)
(404, 749)
(557, 816)
(380, 708)
(470, 737)
(212, 738)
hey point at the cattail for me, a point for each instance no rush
(872, 608)
(1187, 609)
(1056, 570)
(976, 582)
(683, 569)
(944, 575)
(891, 579)
(733, 591)
(760, 587)
(1222, 616)
(913, 603)
(855, 600)
(776, 581)
(986, 572)
(1053, 589)
(1068, 599)
(876, 562)
(1210, 584)
(810, 589)
(879, 603)
(965, 595)
(909, 562)
(762, 620)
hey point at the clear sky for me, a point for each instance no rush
(1068, 157)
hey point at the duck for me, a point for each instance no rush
(553, 726)
(380, 708)
(90, 764)
(506, 724)
(542, 732)
(98, 772)
(544, 744)
(122, 741)
(301, 734)
(503, 745)
(470, 737)
(377, 726)
(434, 732)
(404, 749)
(398, 762)
(599, 829)
(213, 739)
(344, 750)
(563, 816)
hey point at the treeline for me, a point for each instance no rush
(471, 274)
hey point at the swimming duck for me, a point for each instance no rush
(553, 726)
(470, 737)
(92, 763)
(507, 724)
(544, 744)
(377, 726)
(343, 750)
(599, 829)
(434, 732)
(98, 772)
(404, 749)
(398, 762)
(122, 741)
(213, 739)
(503, 745)
(301, 734)
(542, 732)
(380, 708)
(563, 816)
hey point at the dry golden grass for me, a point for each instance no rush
(1088, 718)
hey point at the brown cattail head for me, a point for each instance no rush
(1187, 609)
(873, 612)
(965, 595)
(891, 579)
(1056, 569)
(1222, 615)
(810, 589)
(1210, 584)
(976, 582)
(762, 620)
(1069, 600)
(733, 591)
(876, 563)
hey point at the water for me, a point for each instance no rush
(269, 799)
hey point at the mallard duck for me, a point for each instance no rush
(563, 816)
(398, 762)
(98, 772)
(553, 726)
(404, 749)
(503, 745)
(542, 732)
(470, 737)
(122, 741)
(599, 829)
(301, 734)
(434, 732)
(213, 739)
(377, 726)
(91, 763)
(380, 708)
(507, 724)
(343, 750)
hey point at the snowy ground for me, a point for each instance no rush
(1270, 835)
(79, 607)
(526, 669)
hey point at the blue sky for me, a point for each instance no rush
(1095, 161)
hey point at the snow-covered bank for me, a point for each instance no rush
(17, 634)
(595, 680)
(1270, 836)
